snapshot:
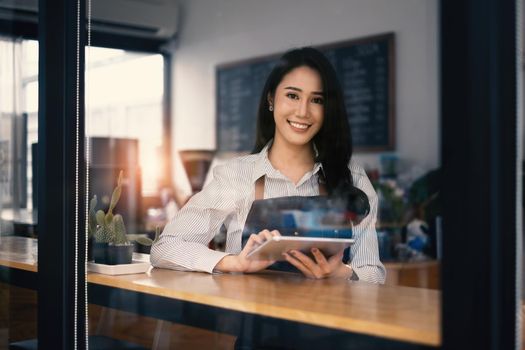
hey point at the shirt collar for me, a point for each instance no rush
(264, 167)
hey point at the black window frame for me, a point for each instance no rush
(479, 185)
(61, 275)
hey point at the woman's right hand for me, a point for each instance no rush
(240, 262)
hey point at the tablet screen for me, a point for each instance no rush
(298, 216)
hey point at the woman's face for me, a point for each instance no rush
(298, 107)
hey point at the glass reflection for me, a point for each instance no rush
(117, 113)
(18, 184)
(125, 127)
(119, 108)
(124, 130)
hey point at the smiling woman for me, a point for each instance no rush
(303, 149)
(321, 104)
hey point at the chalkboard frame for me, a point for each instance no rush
(389, 38)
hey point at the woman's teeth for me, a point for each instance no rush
(299, 126)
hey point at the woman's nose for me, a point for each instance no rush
(302, 109)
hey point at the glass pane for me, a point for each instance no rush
(120, 106)
(18, 219)
(220, 62)
(125, 133)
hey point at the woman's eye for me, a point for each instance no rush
(318, 100)
(292, 96)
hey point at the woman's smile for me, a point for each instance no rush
(298, 127)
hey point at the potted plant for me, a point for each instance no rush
(144, 243)
(111, 245)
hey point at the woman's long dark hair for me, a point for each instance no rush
(333, 141)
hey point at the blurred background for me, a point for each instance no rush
(170, 92)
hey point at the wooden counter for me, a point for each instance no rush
(398, 313)
(19, 253)
(419, 274)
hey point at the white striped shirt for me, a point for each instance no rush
(183, 245)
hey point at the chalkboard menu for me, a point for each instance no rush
(365, 68)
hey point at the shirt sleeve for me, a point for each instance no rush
(183, 245)
(364, 253)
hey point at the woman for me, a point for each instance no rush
(303, 139)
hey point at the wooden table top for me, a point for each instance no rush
(19, 253)
(399, 313)
(398, 265)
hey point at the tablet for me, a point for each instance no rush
(274, 248)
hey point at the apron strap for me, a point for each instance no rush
(259, 188)
(322, 190)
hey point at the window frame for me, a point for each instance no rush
(480, 174)
(60, 324)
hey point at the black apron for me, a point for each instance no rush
(319, 216)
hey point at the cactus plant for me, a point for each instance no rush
(119, 230)
(111, 244)
(104, 232)
(92, 219)
(111, 228)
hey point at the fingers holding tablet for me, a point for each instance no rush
(268, 235)
(320, 258)
(257, 239)
(316, 268)
(303, 263)
(244, 264)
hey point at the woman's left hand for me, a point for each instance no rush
(321, 267)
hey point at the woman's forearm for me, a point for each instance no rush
(228, 264)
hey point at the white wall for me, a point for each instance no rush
(213, 32)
